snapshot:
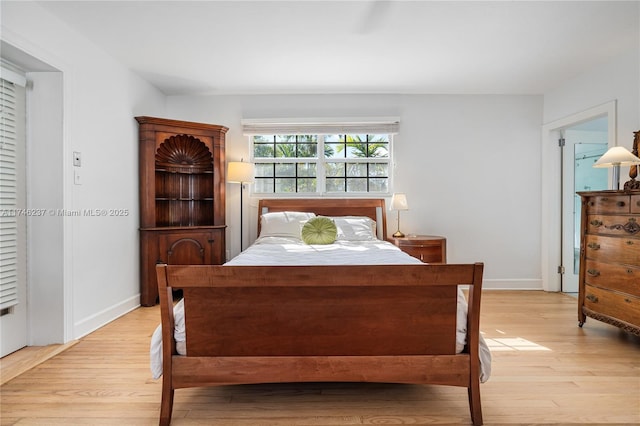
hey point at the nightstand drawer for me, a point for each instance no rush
(427, 254)
(429, 249)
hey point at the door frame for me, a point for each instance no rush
(551, 205)
(49, 237)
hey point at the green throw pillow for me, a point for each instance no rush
(319, 230)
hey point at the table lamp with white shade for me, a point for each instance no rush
(399, 202)
(615, 157)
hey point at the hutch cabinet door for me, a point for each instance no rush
(193, 248)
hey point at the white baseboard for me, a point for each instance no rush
(512, 284)
(100, 319)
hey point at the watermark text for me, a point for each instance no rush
(63, 212)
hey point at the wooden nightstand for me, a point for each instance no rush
(427, 248)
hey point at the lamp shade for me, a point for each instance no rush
(617, 156)
(239, 171)
(399, 202)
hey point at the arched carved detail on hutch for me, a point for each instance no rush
(184, 150)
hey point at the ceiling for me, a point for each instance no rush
(402, 47)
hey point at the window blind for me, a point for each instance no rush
(8, 196)
(322, 126)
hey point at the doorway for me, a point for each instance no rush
(49, 317)
(584, 144)
(558, 190)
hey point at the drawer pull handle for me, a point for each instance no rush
(596, 222)
(629, 271)
(627, 300)
(593, 272)
(594, 246)
(629, 242)
(592, 298)
(632, 227)
(620, 203)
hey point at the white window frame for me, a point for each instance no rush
(321, 127)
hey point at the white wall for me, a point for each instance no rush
(470, 166)
(613, 88)
(100, 272)
(617, 80)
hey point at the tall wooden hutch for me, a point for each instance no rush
(182, 197)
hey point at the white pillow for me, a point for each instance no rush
(283, 224)
(355, 228)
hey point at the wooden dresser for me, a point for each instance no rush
(609, 287)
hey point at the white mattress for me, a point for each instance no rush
(271, 251)
(292, 251)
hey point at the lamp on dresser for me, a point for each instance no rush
(615, 157)
(240, 172)
(398, 203)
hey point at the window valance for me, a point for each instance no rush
(381, 125)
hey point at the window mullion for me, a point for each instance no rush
(321, 170)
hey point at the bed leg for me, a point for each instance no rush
(166, 405)
(474, 402)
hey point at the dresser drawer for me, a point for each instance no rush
(635, 203)
(617, 305)
(613, 276)
(609, 204)
(613, 249)
(628, 225)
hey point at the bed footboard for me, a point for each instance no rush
(266, 324)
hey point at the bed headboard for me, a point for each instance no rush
(371, 207)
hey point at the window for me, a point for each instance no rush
(292, 161)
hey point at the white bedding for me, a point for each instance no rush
(284, 251)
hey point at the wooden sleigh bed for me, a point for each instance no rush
(345, 323)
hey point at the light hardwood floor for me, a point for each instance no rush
(546, 370)
(25, 359)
